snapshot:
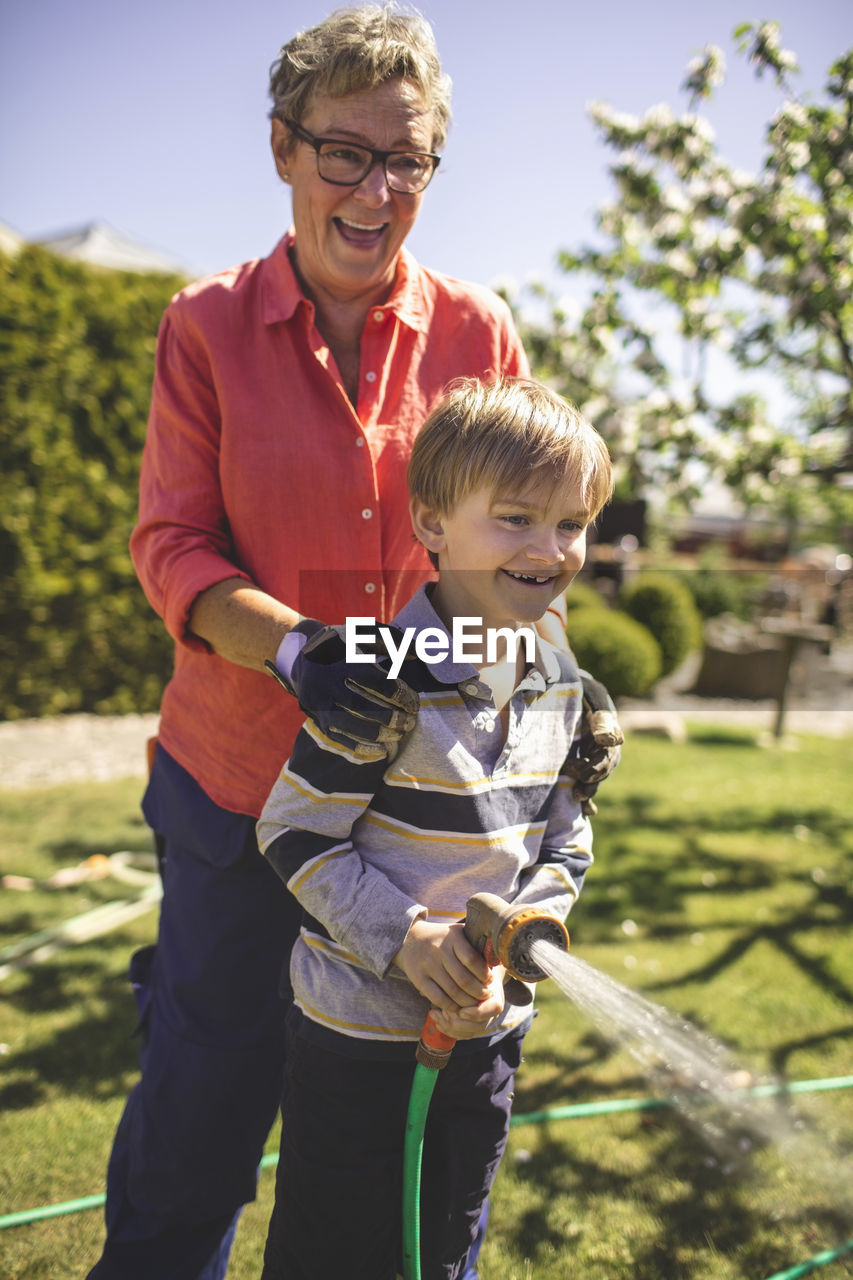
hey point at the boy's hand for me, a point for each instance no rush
(465, 1024)
(441, 963)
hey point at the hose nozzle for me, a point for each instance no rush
(500, 931)
(502, 934)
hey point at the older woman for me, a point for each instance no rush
(286, 397)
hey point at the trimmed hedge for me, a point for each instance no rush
(731, 590)
(76, 362)
(582, 595)
(616, 650)
(663, 604)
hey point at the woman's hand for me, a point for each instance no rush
(359, 706)
(597, 748)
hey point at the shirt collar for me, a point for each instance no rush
(420, 614)
(282, 292)
(546, 661)
(407, 299)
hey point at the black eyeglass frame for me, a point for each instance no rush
(376, 157)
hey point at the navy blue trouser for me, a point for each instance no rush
(186, 1152)
(339, 1179)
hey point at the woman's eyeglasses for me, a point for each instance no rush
(347, 163)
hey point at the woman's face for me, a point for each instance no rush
(348, 238)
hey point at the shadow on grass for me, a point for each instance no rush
(68, 853)
(569, 1080)
(721, 1206)
(88, 1047)
(783, 938)
(695, 861)
(24, 923)
(765, 814)
(698, 1206)
(720, 736)
(780, 1056)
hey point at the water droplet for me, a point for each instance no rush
(739, 1080)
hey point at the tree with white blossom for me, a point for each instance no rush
(705, 269)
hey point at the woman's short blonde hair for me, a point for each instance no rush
(507, 435)
(356, 49)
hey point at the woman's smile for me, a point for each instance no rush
(363, 234)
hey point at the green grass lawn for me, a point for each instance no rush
(721, 890)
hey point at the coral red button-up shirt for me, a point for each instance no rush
(256, 464)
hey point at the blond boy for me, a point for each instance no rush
(505, 479)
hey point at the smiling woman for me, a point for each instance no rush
(348, 234)
(273, 500)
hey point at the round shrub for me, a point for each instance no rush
(719, 591)
(615, 649)
(663, 604)
(583, 595)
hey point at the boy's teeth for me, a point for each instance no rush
(526, 577)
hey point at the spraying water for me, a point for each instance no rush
(718, 1097)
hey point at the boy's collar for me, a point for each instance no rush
(420, 614)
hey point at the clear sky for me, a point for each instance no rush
(152, 116)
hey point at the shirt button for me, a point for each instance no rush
(370, 587)
(370, 377)
(471, 688)
(366, 513)
(359, 444)
(489, 725)
(379, 316)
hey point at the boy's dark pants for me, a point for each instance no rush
(338, 1207)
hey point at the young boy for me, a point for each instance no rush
(504, 479)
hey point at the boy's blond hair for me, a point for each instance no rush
(509, 434)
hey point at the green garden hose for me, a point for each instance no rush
(502, 934)
(423, 1084)
(811, 1264)
(433, 1053)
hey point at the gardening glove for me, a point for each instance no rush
(595, 751)
(357, 706)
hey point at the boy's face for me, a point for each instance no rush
(505, 558)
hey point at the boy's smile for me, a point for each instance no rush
(504, 558)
